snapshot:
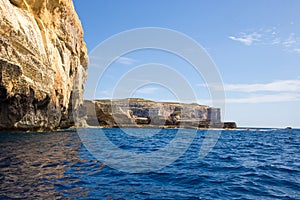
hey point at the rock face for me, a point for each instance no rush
(43, 64)
(136, 112)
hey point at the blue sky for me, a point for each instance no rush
(254, 44)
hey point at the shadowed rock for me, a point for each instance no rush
(43, 64)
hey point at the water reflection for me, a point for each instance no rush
(35, 165)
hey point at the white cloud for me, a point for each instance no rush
(297, 50)
(98, 61)
(148, 90)
(143, 81)
(272, 98)
(247, 39)
(104, 94)
(276, 91)
(264, 98)
(126, 61)
(269, 37)
(291, 40)
(276, 41)
(275, 86)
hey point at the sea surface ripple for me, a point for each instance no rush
(244, 164)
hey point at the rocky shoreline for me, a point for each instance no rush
(141, 113)
(43, 66)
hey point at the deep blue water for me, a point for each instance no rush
(242, 165)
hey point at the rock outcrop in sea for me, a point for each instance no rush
(138, 112)
(43, 64)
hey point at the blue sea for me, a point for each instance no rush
(238, 164)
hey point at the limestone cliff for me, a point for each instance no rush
(43, 64)
(137, 112)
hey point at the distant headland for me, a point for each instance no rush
(138, 112)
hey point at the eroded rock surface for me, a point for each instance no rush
(43, 64)
(137, 112)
